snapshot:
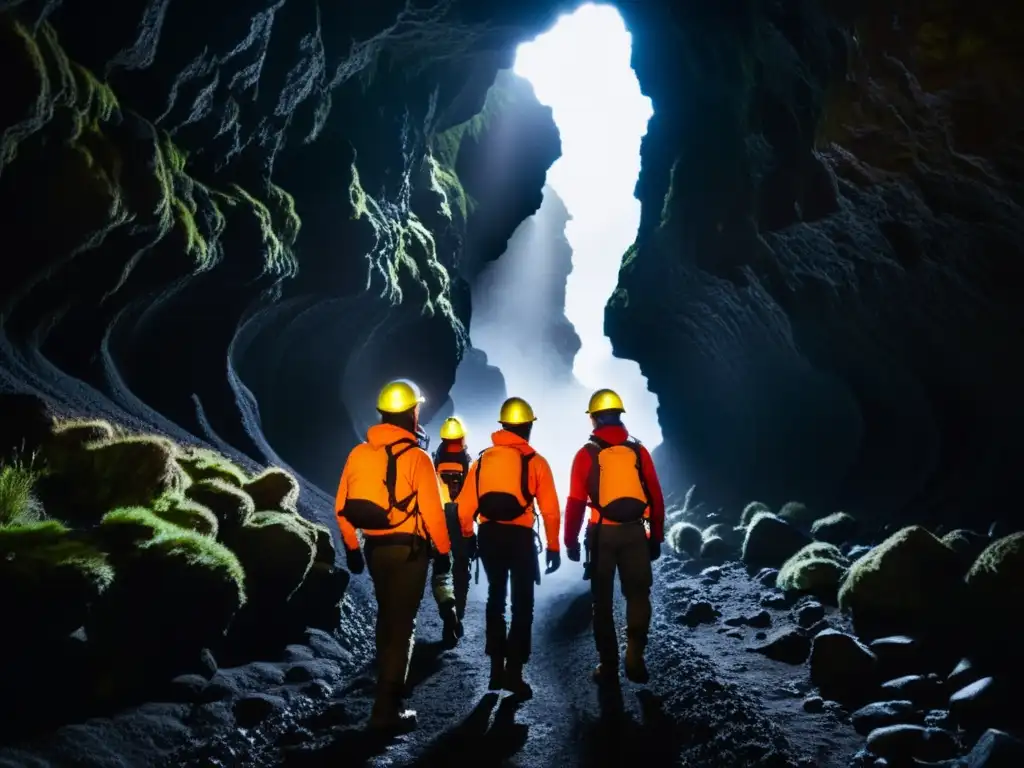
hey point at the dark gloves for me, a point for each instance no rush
(554, 560)
(572, 551)
(469, 543)
(442, 564)
(654, 547)
(354, 560)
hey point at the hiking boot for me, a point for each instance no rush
(497, 673)
(387, 713)
(514, 682)
(453, 630)
(636, 669)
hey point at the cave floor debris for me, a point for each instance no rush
(711, 702)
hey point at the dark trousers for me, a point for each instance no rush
(399, 574)
(509, 557)
(453, 587)
(621, 548)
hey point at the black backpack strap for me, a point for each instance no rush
(594, 448)
(391, 477)
(524, 479)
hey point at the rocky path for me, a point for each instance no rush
(710, 702)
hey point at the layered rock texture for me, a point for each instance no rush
(232, 224)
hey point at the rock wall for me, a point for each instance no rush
(822, 294)
(167, 276)
(240, 222)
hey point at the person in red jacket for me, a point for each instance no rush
(614, 475)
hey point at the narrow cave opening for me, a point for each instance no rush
(538, 311)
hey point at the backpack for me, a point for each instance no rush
(498, 497)
(451, 468)
(371, 507)
(617, 488)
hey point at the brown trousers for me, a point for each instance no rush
(399, 574)
(621, 548)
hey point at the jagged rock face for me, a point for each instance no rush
(821, 293)
(184, 285)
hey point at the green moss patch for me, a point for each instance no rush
(685, 538)
(18, 503)
(229, 504)
(837, 528)
(816, 569)
(747, 516)
(204, 464)
(176, 509)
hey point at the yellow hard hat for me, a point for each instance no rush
(515, 410)
(605, 400)
(399, 396)
(452, 429)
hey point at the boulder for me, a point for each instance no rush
(685, 539)
(797, 513)
(276, 550)
(994, 592)
(716, 550)
(732, 535)
(837, 528)
(902, 743)
(789, 646)
(751, 510)
(771, 541)
(995, 749)
(232, 506)
(880, 714)
(49, 578)
(185, 513)
(809, 614)
(842, 667)
(926, 691)
(274, 490)
(106, 475)
(909, 584)
(816, 569)
(203, 464)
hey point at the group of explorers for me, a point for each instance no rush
(419, 515)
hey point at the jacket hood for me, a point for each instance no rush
(504, 437)
(453, 446)
(380, 435)
(614, 434)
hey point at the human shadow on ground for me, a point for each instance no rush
(616, 738)
(425, 663)
(473, 742)
(575, 619)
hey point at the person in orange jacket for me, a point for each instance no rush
(389, 491)
(503, 488)
(615, 475)
(451, 589)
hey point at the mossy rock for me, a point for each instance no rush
(176, 593)
(203, 464)
(75, 434)
(995, 594)
(728, 533)
(967, 544)
(274, 490)
(685, 539)
(185, 513)
(317, 603)
(752, 509)
(232, 506)
(837, 528)
(125, 472)
(816, 569)
(277, 550)
(909, 584)
(771, 541)
(797, 513)
(18, 502)
(716, 549)
(49, 577)
(325, 552)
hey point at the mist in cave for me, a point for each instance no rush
(544, 328)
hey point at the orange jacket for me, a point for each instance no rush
(415, 473)
(541, 484)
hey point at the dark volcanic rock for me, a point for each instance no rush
(884, 713)
(842, 667)
(787, 645)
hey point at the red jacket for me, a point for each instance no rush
(576, 505)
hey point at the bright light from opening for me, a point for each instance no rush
(581, 69)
